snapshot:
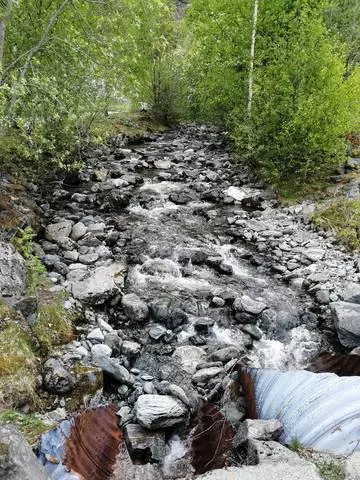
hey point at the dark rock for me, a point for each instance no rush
(176, 318)
(198, 257)
(144, 445)
(203, 324)
(180, 198)
(62, 268)
(27, 306)
(159, 309)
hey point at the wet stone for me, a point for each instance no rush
(157, 332)
(143, 445)
(203, 325)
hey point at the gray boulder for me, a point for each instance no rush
(56, 378)
(189, 357)
(225, 354)
(259, 430)
(159, 411)
(352, 467)
(112, 367)
(78, 231)
(314, 254)
(12, 271)
(352, 293)
(55, 231)
(102, 284)
(347, 323)
(144, 445)
(277, 471)
(135, 309)
(248, 305)
(205, 374)
(17, 460)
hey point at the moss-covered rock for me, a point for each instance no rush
(89, 381)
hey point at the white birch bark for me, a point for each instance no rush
(3, 25)
(252, 56)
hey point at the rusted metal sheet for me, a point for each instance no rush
(212, 440)
(94, 443)
(342, 365)
(84, 447)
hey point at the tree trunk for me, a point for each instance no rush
(3, 25)
(252, 57)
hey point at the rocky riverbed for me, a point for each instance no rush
(183, 265)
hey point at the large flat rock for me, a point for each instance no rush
(159, 411)
(278, 471)
(102, 284)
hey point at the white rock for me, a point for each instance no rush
(78, 231)
(206, 374)
(101, 285)
(352, 467)
(189, 357)
(56, 231)
(100, 350)
(159, 411)
(96, 335)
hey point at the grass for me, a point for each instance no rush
(342, 216)
(18, 368)
(36, 275)
(331, 470)
(29, 424)
(131, 125)
(296, 446)
(295, 190)
(54, 325)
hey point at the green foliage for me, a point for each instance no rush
(299, 74)
(342, 216)
(29, 424)
(331, 470)
(216, 45)
(35, 270)
(67, 62)
(296, 445)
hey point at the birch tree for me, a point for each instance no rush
(252, 56)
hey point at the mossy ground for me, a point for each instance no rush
(342, 216)
(54, 324)
(29, 424)
(23, 348)
(19, 367)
